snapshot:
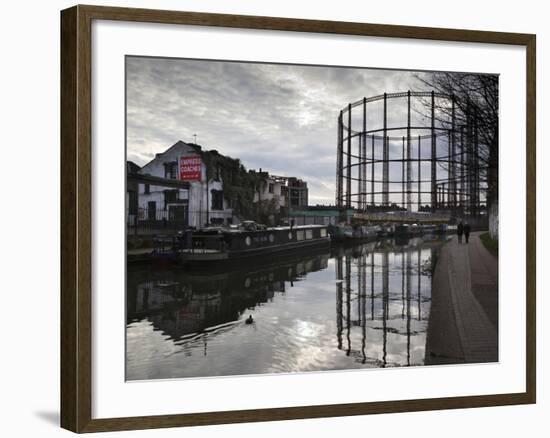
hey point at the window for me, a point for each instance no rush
(271, 188)
(170, 197)
(309, 234)
(217, 199)
(218, 172)
(146, 189)
(171, 170)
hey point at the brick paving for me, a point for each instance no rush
(467, 275)
(443, 344)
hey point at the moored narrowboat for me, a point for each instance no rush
(222, 244)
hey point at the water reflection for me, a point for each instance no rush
(189, 323)
(382, 302)
(180, 303)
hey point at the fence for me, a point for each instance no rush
(173, 219)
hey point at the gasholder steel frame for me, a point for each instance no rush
(457, 186)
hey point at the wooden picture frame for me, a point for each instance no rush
(76, 217)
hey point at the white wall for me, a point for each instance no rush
(198, 195)
(265, 195)
(30, 269)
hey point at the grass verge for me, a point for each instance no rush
(490, 243)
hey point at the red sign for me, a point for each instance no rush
(190, 168)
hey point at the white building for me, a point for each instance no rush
(272, 189)
(203, 203)
(288, 192)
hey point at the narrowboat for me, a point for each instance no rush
(336, 232)
(226, 244)
(408, 230)
(353, 232)
(429, 229)
(402, 230)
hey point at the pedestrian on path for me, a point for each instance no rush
(467, 232)
(459, 231)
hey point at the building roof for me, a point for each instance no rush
(179, 143)
(132, 167)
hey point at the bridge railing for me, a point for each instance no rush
(403, 217)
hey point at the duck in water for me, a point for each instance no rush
(249, 320)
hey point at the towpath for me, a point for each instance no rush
(463, 324)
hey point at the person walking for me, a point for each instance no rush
(467, 232)
(459, 231)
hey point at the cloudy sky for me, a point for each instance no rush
(282, 118)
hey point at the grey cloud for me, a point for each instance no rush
(281, 118)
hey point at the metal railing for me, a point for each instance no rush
(170, 221)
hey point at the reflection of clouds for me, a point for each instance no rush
(305, 330)
(300, 347)
(297, 330)
(145, 345)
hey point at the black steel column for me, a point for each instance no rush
(419, 173)
(372, 173)
(364, 165)
(340, 163)
(434, 153)
(403, 173)
(409, 198)
(385, 188)
(360, 173)
(348, 174)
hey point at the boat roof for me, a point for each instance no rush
(281, 228)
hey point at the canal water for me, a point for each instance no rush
(351, 307)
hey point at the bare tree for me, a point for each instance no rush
(475, 98)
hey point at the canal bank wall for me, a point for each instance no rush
(463, 323)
